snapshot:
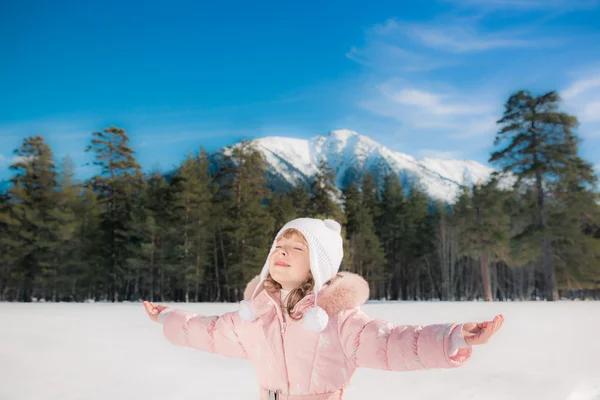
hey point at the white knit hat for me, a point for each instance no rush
(326, 252)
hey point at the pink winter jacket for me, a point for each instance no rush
(303, 365)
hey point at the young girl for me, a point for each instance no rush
(301, 326)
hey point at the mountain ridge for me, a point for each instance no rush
(350, 154)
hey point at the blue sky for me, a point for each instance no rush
(427, 79)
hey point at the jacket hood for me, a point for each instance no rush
(348, 290)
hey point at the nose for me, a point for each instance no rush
(282, 250)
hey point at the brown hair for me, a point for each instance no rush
(294, 296)
(297, 294)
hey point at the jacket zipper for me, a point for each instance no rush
(287, 376)
(283, 333)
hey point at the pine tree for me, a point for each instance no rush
(541, 150)
(418, 240)
(352, 204)
(87, 267)
(9, 246)
(366, 255)
(193, 215)
(325, 195)
(576, 208)
(141, 226)
(301, 201)
(390, 225)
(118, 188)
(446, 257)
(67, 246)
(370, 190)
(292, 204)
(247, 224)
(32, 199)
(483, 228)
(282, 210)
(219, 225)
(155, 227)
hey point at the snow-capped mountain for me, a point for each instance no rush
(350, 154)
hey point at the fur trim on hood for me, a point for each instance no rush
(348, 290)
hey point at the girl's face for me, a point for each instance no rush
(289, 264)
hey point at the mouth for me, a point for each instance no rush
(281, 264)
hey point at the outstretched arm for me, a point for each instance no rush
(374, 343)
(212, 334)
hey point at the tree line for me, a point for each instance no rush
(532, 231)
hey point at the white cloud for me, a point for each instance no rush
(453, 35)
(581, 86)
(420, 106)
(435, 104)
(591, 112)
(454, 114)
(7, 161)
(391, 58)
(424, 107)
(463, 39)
(417, 98)
(582, 99)
(21, 159)
(485, 125)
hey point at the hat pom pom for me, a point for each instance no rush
(333, 225)
(246, 312)
(315, 319)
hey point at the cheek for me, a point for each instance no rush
(270, 263)
(305, 262)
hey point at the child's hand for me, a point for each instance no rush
(481, 332)
(153, 310)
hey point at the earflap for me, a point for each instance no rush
(314, 266)
(245, 310)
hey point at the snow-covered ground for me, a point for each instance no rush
(48, 351)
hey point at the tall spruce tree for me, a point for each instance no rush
(371, 195)
(300, 196)
(576, 207)
(193, 215)
(247, 223)
(33, 197)
(541, 150)
(281, 208)
(390, 225)
(325, 194)
(118, 187)
(9, 246)
(67, 248)
(483, 228)
(366, 256)
(417, 240)
(443, 267)
(352, 205)
(152, 227)
(87, 268)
